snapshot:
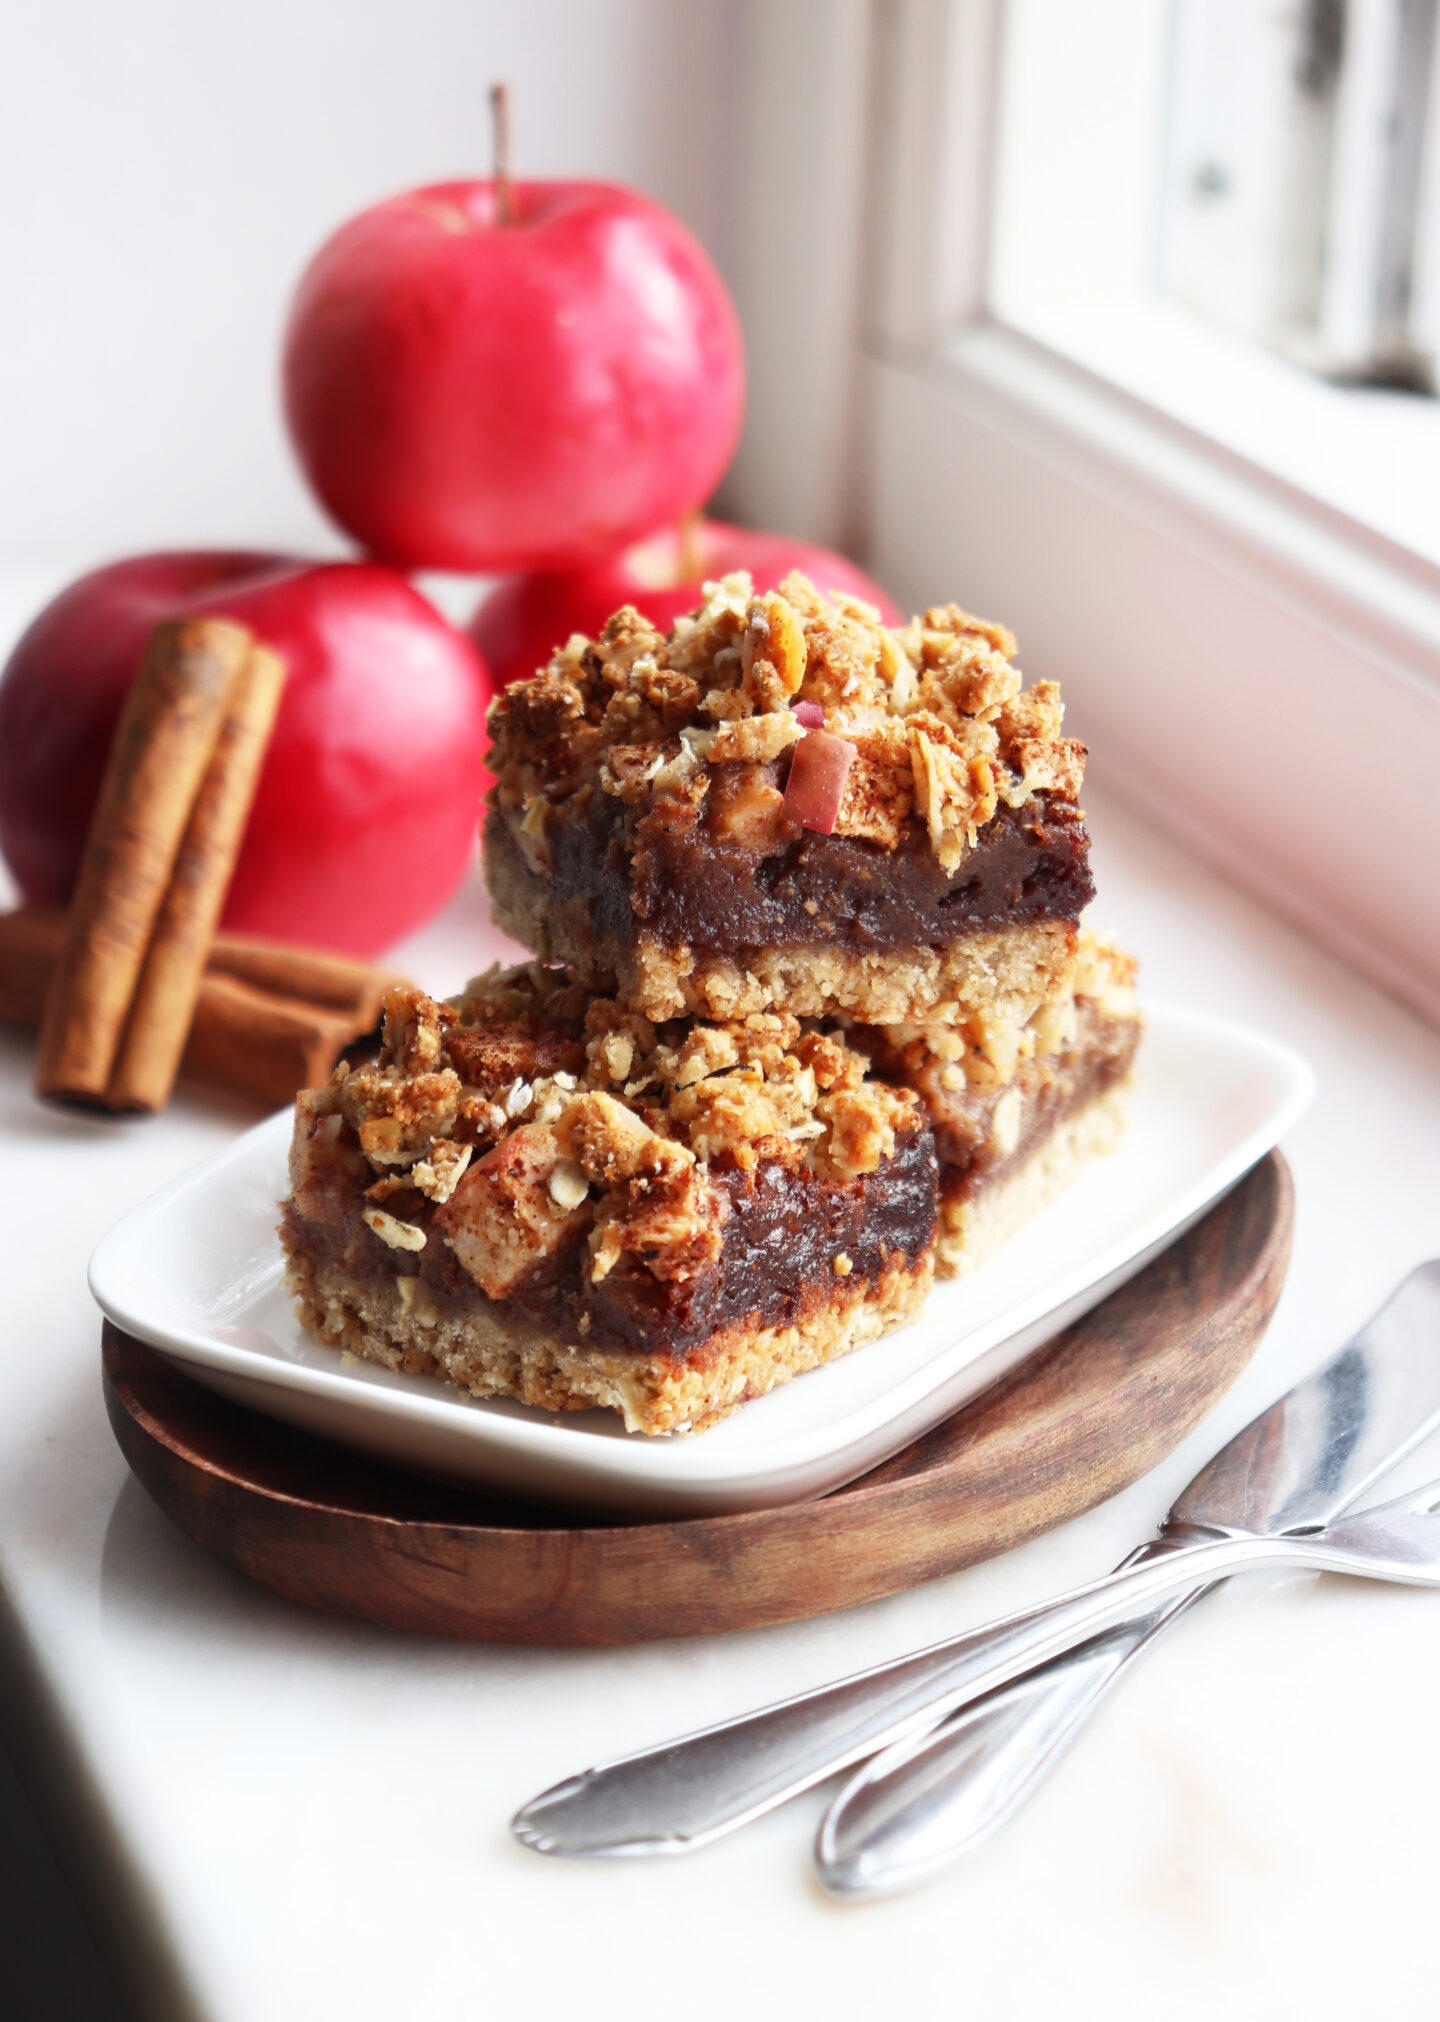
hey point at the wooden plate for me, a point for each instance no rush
(1079, 1421)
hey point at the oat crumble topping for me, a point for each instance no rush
(526, 1111)
(942, 729)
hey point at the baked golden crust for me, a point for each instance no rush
(483, 1348)
(955, 1053)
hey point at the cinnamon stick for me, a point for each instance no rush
(169, 984)
(166, 736)
(263, 1048)
(247, 1039)
(311, 975)
(31, 938)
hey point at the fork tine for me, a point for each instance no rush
(1422, 1501)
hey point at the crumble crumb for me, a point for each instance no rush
(568, 1185)
(397, 1235)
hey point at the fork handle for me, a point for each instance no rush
(687, 1792)
(932, 1798)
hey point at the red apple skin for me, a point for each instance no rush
(468, 395)
(816, 783)
(520, 622)
(365, 816)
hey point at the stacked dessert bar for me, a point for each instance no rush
(812, 1011)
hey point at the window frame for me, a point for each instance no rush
(1257, 671)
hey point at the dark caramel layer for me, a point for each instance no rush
(614, 874)
(1101, 1054)
(1046, 1108)
(782, 1235)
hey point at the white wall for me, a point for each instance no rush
(167, 166)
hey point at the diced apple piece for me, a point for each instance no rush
(817, 780)
(513, 1210)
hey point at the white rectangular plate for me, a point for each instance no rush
(196, 1269)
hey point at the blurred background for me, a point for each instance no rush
(1265, 168)
(169, 167)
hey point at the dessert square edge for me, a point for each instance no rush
(541, 1196)
(1014, 1129)
(784, 801)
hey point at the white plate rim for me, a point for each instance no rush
(603, 1467)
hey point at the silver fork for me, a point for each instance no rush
(934, 1799)
(1311, 1456)
(1397, 1540)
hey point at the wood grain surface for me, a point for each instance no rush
(1082, 1419)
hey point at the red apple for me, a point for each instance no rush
(476, 395)
(518, 625)
(365, 817)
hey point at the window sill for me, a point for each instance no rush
(1368, 458)
(1255, 670)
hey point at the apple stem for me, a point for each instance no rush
(690, 546)
(500, 127)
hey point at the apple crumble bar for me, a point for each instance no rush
(1014, 1125)
(544, 1196)
(785, 804)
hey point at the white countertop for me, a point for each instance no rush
(316, 1811)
